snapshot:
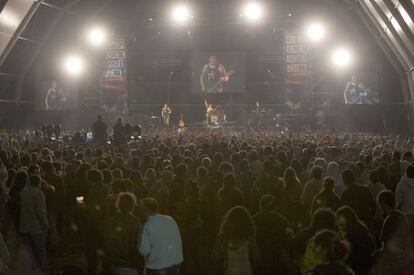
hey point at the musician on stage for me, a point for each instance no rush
(213, 75)
(209, 111)
(355, 91)
(165, 115)
(54, 97)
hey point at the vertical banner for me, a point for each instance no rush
(296, 52)
(114, 77)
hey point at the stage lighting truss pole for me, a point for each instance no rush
(315, 82)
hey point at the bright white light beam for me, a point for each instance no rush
(341, 57)
(96, 36)
(73, 65)
(253, 11)
(180, 14)
(316, 32)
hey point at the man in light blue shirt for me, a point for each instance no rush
(160, 242)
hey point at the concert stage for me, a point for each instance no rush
(347, 118)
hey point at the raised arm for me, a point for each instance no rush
(203, 72)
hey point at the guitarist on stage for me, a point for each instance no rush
(213, 76)
(355, 91)
(165, 115)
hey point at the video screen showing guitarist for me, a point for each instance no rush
(356, 92)
(54, 98)
(213, 76)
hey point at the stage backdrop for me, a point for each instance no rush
(234, 65)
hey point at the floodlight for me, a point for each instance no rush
(96, 36)
(253, 11)
(73, 65)
(341, 57)
(181, 14)
(316, 32)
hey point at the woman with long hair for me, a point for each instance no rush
(293, 187)
(357, 233)
(236, 251)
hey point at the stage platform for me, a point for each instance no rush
(355, 118)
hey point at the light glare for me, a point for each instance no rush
(96, 36)
(341, 57)
(253, 11)
(181, 14)
(316, 32)
(73, 65)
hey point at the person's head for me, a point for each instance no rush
(354, 78)
(237, 224)
(348, 219)
(267, 203)
(94, 176)
(316, 173)
(47, 167)
(35, 180)
(328, 183)
(229, 181)
(34, 169)
(373, 176)
(117, 186)
(202, 172)
(54, 84)
(410, 171)
(99, 117)
(181, 171)
(212, 60)
(21, 178)
(323, 218)
(150, 175)
(126, 203)
(119, 120)
(290, 175)
(150, 206)
(268, 167)
(396, 155)
(333, 169)
(408, 156)
(328, 247)
(386, 200)
(206, 162)
(348, 177)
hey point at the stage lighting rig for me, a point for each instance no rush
(73, 65)
(316, 32)
(341, 57)
(181, 14)
(96, 36)
(253, 11)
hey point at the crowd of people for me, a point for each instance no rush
(207, 202)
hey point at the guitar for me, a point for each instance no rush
(229, 73)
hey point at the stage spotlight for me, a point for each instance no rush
(341, 57)
(73, 65)
(253, 11)
(316, 32)
(96, 36)
(181, 14)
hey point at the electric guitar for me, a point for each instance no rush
(214, 87)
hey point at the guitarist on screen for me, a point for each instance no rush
(213, 75)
